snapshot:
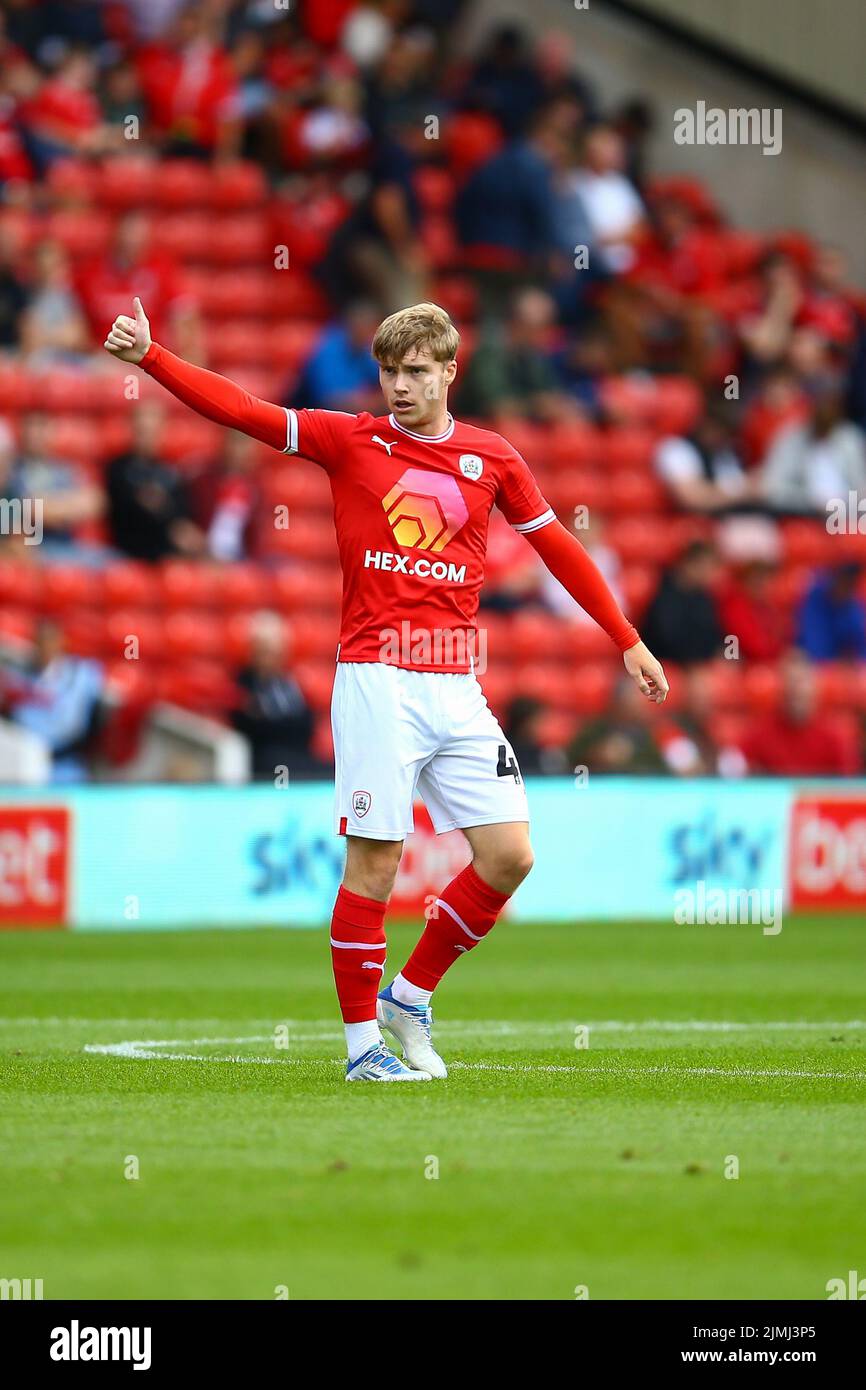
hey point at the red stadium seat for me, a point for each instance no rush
(185, 585)
(241, 294)
(238, 186)
(639, 541)
(121, 625)
(130, 584)
(202, 686)
(439, 242)
(17, 625)
(243, 586)
(297, 296)
(128, 181)
(21, 581)
(71, 180)
(185, 235)
(762, 684)
(578, 487)
(435, 188)
(298, 590)
(316, 679)
(311, 637)
(192, 636)
(80, 231)
(76, 440)
(628, 448)
(808, 543)
(182, 183)
(84, 631)
(575, 446)
(638, 584)
(243, 340)
(19, 389)
(240, 240)
(678, 404)
(636, 493)
(62, 390)
(70, 587)
(290, 344)
(471, 138)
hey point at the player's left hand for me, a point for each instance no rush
(646, 672)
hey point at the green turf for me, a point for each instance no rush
(606, 1169)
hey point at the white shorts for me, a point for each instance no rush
(399, 732)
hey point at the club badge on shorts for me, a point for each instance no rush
(471, 466)
(361, 802)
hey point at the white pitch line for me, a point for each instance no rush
(487, 1026)
(144, 1050)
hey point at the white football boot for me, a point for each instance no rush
(411, 1025)
(379, 1064)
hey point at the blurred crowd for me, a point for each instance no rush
(691, 395)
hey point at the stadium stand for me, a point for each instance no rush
(254, 177)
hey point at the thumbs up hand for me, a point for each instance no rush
(129, 338)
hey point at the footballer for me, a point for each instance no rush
(412, 492)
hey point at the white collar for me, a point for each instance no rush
(426, 438)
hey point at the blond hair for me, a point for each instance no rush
(421, 326)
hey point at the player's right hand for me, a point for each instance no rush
(128, 339)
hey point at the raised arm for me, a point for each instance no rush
(577, 572)
(206, 392)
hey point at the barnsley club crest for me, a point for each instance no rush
(361, 803)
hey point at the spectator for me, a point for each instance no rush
(67, 500)
(557, 599)
(14, 295)
(513, 571)
(108, 285)
(376, 253)
(341, 373)
(189, 86)
(831, 623)
(584, 363)
(508, 212)
(150, 514)
(798, 740)
(681, 623)
(702, 472)
(227, 501)
(63, 118)
(505, 81)
(687, 744)
(812, 464)
(612, 204)
(619, 741)
(273, 713)
(765, 331)
(777, 402)
(53, 326)
(657, 311)
(58, 699)
(514, 374)
(523, 731)
(749, 612)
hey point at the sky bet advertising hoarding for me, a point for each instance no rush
(104, 858)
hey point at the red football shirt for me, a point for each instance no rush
(411, 514)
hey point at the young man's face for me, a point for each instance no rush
(416, 389)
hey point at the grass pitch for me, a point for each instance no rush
(559, 1166)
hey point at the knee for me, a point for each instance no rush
(371, 868)
(506, 870)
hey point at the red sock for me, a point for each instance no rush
(460, 918)
(357, 954)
